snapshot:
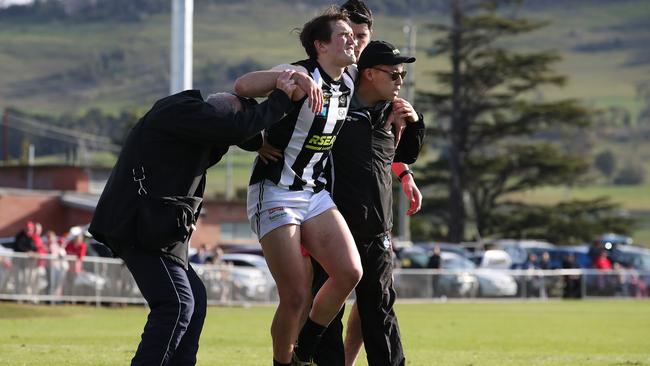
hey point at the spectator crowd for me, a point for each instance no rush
(58, 258)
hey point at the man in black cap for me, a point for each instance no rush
(149, 206)
(361, 187)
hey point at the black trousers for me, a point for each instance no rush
(178, 301)
(375, 299)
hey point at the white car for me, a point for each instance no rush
(239, 277)
(493, 282)
(457, 281)
(461, 277)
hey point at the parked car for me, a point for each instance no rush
(414, 284)
(519, 249)
(240, 277)
(631, 257)
(462, 280)
(580, 252)
(7, 243)
(495, 283)
(495, 259)
(243, 249)
(447, 247)
(612, 240)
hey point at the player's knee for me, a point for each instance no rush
(295, 299)
(349, 277)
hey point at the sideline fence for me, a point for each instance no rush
(46, 278)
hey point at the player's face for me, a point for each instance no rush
(362, 34)
(387, 80)
(342, 43)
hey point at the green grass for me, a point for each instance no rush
(630, 197)
(633, 199)
(492, 333)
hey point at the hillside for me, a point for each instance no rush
(67, 66)
(63, 66)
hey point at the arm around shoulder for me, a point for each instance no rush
(261, 83)
(256, 83)
(411, 142)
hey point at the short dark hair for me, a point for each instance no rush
(358, 12)
(320, 29)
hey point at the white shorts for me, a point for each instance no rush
(269, 206)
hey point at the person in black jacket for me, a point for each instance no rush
(23, 242)
(361, 186)
(149, 206)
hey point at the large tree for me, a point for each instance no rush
(493, 131)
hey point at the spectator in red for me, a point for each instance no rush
(603, 281)
(602, 262)
(38, 243)
(78, 247)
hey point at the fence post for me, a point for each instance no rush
(97, 294)
(51, 284)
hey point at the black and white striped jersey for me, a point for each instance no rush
(305, 137)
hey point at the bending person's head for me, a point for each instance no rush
(228, 103)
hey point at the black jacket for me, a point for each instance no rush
(23, 243)
(361, 181)
(176, 142)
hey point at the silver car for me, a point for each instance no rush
(456, 281)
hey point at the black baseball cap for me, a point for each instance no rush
(381, 53)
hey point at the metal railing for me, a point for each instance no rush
(37, 278)
(534, 283)
(45, 278)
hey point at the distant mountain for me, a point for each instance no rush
(114, 54)
(133, 9)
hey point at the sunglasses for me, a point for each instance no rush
(394, 75)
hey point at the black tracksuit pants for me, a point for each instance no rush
(375, 299)
(178, 302)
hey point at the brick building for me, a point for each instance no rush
(60, 197)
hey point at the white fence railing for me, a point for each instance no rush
(536, 283)
(33, 278)
(46, 278)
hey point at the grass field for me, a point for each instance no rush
(613, 333)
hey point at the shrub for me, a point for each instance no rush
(631, 174)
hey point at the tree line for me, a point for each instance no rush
(492, 134)
(492, 129)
